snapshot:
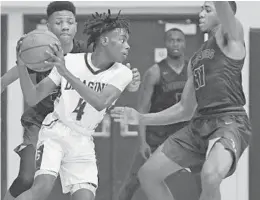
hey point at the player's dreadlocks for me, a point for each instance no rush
(103, 23)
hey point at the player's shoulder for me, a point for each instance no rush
(71, 56)
(152, 74)
(153, 71)
(121, 71)
(121, 68)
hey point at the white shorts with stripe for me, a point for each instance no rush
(69, 153)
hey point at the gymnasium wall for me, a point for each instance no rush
(248, 13)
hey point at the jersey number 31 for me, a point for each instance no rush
(199, 77)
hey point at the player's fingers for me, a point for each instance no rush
(117, 110)
(136, 73)
(128, 65)
(59, 48)
(117, 116)
(50, 63)
(137, 76)
(134, 70)
(53, 56)
(119, 120)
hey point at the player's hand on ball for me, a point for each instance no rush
(57, 59)
(125, 115)
(136, 81)
(19, 61)
(19, 43)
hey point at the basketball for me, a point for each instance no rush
(33, 48)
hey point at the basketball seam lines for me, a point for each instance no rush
(33, 48)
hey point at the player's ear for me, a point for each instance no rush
(104, 40)
(76, 27)
(48, 26)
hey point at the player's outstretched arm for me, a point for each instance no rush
(150, 79)
(182, 111)
(9, 77)
(229, 23)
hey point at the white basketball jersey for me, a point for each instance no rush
(71, 108)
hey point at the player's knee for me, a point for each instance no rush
(217, 166)
(211, 175)
(43, 185)
(83, 190)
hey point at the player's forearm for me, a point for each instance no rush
(142, 128)
(9, 77)
(172, 115)
(92, 97)
(29, 90)
(142, 133)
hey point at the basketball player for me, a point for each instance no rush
(220, 131)
(161, 88)
(65, 143)
(61, 19)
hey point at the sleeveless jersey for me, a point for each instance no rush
(70, 107)
(46, 105)
(217, 80)
(167, 93)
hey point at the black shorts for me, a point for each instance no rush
(189, 146)
(34, 116)
(31, 120)
(156, 135)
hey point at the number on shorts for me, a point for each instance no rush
(80, 109)
(38, 158)
(199, 77)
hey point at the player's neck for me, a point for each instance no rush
(213, 31)
(67, 48)
(176, 63)
(100, 60)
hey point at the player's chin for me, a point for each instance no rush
(66, 39)
(203, 28)
(122, 59)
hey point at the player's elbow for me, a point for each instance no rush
(187, 115)
(99, 105)
(188, 111)
(31, 101)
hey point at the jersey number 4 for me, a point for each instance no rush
(199, 77)
(80, 109)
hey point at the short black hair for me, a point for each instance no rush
(233, 6)
(103, 23)
(173, 30)
(59, 6)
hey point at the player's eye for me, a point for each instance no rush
(208, 9)
(122, 41)
(58, 23)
